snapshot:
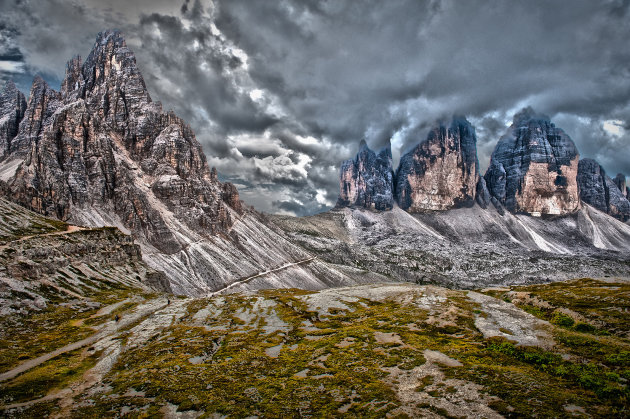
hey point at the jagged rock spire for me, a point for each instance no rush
(12, 108)
(442, 172)
(533, 168)
(600, 191)
(101, 152)
(367, 179)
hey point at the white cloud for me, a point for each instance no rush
(614, 127)
(12, 66)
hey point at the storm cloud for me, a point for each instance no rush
(280, 92)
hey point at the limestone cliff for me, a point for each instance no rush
(534, 166)
(620, 182)
(12, 108)
(441, 172)
(600, 191)
(367, 180)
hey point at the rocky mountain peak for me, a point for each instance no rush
(441, 172)
(12, 108)
(101, 152)
(109, 80)
(42, 104)
(526, 115)
(600, 191)
(534, 166)
(367, 179)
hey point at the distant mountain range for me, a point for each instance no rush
(100, 152)
(535, 169)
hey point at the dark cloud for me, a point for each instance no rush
(279, 93)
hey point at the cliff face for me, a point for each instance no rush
(592, 183)
(367, 180)
(620, 182)
(600, 191)
(441, 172)
(534, 167)
(101, 152)
(12, 108)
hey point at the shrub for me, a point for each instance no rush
(562, 319)
(584, 327)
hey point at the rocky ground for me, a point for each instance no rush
(466, 247)
(387, 350)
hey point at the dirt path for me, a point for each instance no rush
(69, 230)
(109, 329)
(258, 275)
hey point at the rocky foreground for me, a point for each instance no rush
(94, 336)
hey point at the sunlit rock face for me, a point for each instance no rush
(12, 108)
(367, 180)
(534, 167)
(600, 191)
(100, 151)
(442, 172)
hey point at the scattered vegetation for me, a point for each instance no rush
(292, 353)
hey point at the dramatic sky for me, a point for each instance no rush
(279, 92)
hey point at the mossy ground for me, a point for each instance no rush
(273, 354)
(28, 335)
(50, 376)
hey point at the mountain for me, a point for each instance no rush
(101, 153)
(12, 108)
(533, 168)
(441, 172)
(445, 231)
(367, 180)
(602, 192)
(46, 261)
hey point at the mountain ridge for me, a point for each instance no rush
(101, 153)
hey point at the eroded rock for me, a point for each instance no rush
(534, 166)
(102, 152)
(367, 180)
(12, 108)
(602, 192)
(441, 172)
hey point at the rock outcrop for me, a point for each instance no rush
(620, 181)
(534, 167)
(442, 172)
(12, 108)
(102, 150)
(483, 195)
(367, 180)
(592, 184)
(600, 191)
